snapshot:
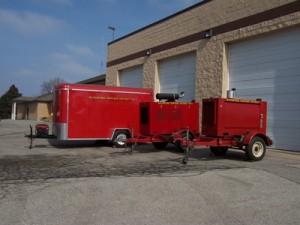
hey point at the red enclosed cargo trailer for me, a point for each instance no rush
(94, 112)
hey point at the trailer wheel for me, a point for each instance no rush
(219, 150)
(160, 145)
(120, 137)
(256, 150)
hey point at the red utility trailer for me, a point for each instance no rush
(120, 115)
(160, 120)
(226, 123)
(95, 112)
(233, 123)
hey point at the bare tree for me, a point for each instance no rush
(47, 86)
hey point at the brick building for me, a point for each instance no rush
(216, 45)
(32, 108)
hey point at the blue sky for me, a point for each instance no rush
(44, 39)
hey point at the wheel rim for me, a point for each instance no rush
(121, 138)
(258, 149)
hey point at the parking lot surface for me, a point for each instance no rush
(81, 182)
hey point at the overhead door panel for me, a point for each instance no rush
(178, 75)
(269, 68)
(132, 77)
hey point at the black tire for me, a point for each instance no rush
(178, 144)
(120, 137)
(219, 150)
(101, 142)
(256, 150)
(160, 145)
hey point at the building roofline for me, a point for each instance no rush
(100, 77)
(270, 14)
(24, 99)
(160, 21)
(41, 98)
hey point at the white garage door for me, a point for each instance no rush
(132, 77)
(269, 68)
(178, 75)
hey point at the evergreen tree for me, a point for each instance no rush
(6, 102)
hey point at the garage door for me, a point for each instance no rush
(177, 75)
(132, 77)
(269, 68)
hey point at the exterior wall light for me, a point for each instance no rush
(149, 51)
(208, 33)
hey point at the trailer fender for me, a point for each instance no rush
(179, 135)
(178, 132)
(119, 137)
(251, 134)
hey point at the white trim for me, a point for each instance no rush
(68, 107)
(65, 89)
(108, 91)
(14, 109)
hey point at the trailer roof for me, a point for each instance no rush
(89, 87)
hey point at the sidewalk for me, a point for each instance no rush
(277, 153)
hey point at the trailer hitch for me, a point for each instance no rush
(41, 131)
(187, 149)
(30, 137)
(127, 147)
(186, 155)
(130, 148)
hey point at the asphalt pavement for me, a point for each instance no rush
(81, 182)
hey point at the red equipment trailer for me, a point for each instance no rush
(129, 115)
(226, 123)
(159, 120)
(95, 112)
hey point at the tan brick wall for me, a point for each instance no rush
(211, 68)
(43, 111)
(201, 18)
(36, 110)
(32, 106)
